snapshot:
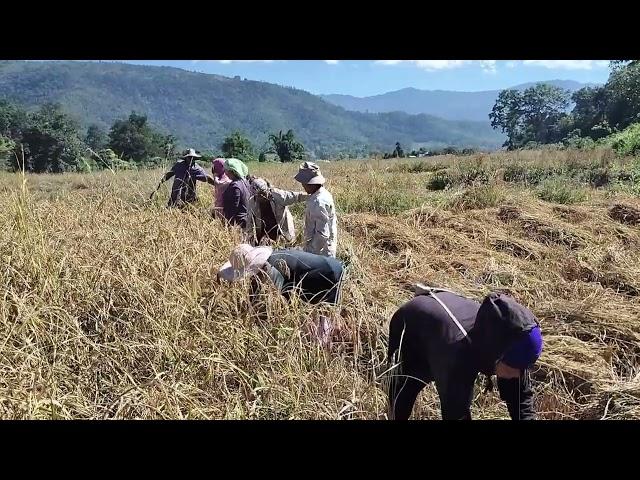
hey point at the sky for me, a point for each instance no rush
(372, 77)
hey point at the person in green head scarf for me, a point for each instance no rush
(235, 167)
(236, 197)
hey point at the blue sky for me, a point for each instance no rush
(372, 77)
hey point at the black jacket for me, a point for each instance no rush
(235, 203)
(431, 347)
(315, 277)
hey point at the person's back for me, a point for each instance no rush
(186, 172)
(449, 339)
(318, 277)
(234, 202)
(320, 224)
(270, 217)
(432, 348)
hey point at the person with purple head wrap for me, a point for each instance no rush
(443, 337)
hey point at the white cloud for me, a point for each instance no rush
(332, 62)
(438, 64)
(488, 66)
(511, 64)
(425, 64)
(389, 62)
(567, 64)
(248, 61)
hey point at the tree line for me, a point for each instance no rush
(49, 140)
(542, 115)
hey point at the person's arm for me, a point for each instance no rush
(267, 273)
(518, 395)
(164, 178)
(275, 276)
(201, 175)
(285, 197)
(321, 227)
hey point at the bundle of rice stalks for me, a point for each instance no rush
(625, 214)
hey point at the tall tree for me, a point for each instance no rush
(238, 146)
(12, 119)
(588, 114)
(286, 146)
(623, 95)
(96, 138)
(538, 114)
(134, 139)
(398, 152)
(50, 141)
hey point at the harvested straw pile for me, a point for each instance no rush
(625, 214)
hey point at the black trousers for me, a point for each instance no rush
(455, 401)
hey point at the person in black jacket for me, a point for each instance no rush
(316, 278)
(446, 338)
(236, 196)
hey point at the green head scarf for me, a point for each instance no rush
(236, 166)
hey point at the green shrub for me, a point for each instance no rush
(529, 175)
(478, 197)
(472, 172)
(379, 201)
(440, 180)
(417, 167)
(626, 142)
(561, 190)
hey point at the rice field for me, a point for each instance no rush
(109, 306)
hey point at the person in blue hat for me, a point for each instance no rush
(442, 337)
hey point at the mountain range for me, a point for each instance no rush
(450, 105)
(201, 109)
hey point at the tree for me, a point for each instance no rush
(589, 111)
(623, 95)
(50, 141)
(286, 146)
(12, 120)
(617, 65)
(7, 147)
(398, 152)
(96, 138)
(538, 114)
(237, 146)
(133, 139)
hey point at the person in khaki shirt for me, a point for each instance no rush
(320, 221)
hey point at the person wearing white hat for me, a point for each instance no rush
(186, 172)
(320, 221)
(316, 278)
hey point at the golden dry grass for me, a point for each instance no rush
(109, 308)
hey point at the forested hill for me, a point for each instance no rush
(201, 109)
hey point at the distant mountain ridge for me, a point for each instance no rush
(450, 105)
(201, 109)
